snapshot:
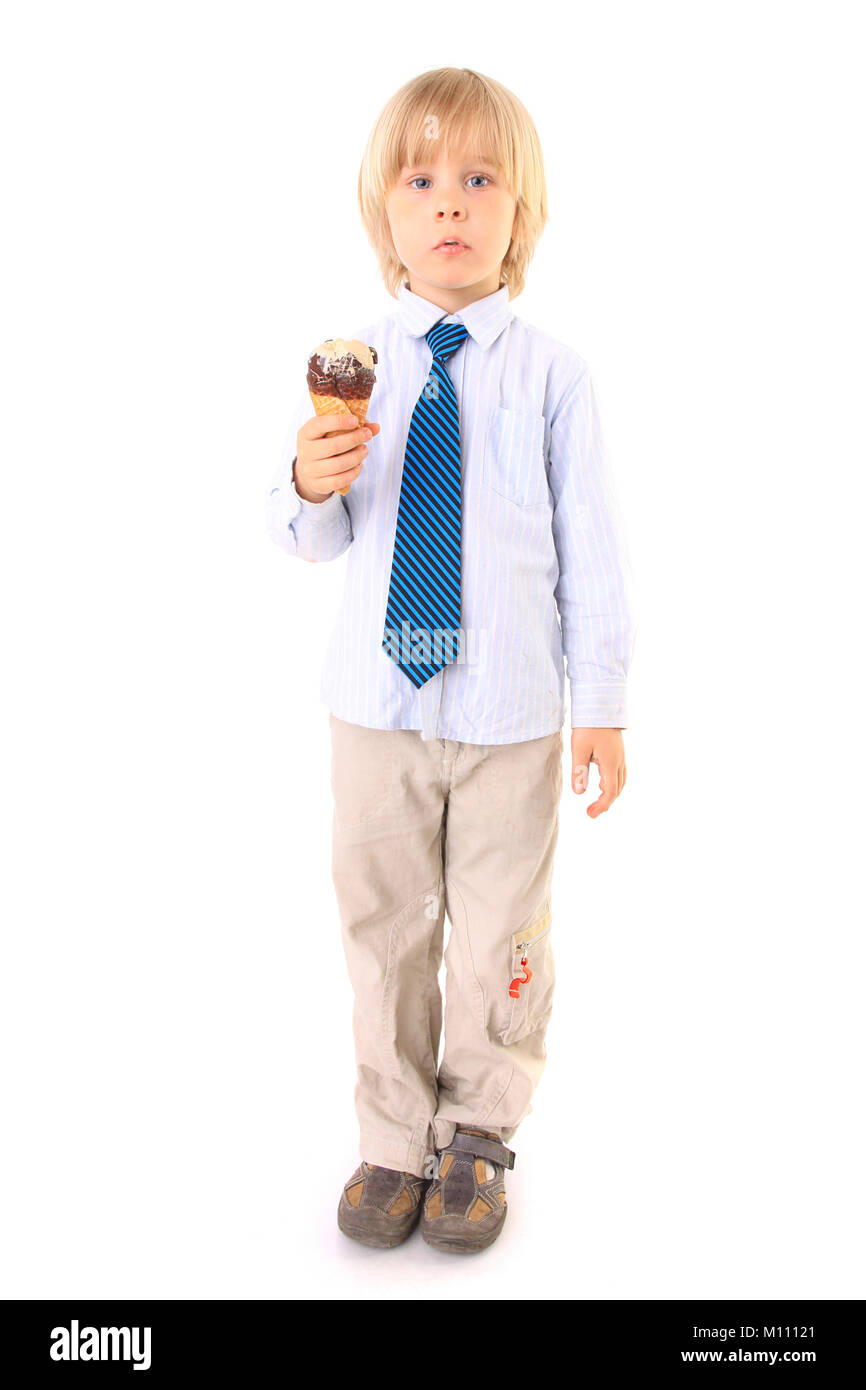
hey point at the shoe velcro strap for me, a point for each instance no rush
(481, 1148)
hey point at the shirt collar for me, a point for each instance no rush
(484, 318)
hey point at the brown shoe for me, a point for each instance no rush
(380, 1206)
(465, 1209)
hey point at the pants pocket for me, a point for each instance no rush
(529, 1001)
(364, 773)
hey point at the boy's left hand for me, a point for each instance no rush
(604, 747)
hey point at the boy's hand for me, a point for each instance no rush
(323, 464)
(604, 747)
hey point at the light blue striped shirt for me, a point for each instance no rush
(545, 569)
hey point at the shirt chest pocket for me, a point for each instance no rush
(514, 457)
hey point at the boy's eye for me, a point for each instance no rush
(423, 178)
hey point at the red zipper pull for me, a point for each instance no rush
(514, 987)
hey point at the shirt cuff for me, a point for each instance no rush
(319, 511)
(598, 705)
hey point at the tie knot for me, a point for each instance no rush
(445, 339)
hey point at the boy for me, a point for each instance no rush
(483, 544)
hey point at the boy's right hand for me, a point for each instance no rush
(324, 464)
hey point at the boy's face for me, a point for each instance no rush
(462, 197)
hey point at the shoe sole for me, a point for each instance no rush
(379, 1240)
(457, 1246)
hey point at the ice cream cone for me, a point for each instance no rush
(335, 405)
(346, 366)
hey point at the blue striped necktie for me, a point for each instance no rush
(422, 624)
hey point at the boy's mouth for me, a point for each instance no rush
(451, 247)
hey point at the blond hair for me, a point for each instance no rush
(452, 105)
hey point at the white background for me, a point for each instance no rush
(181, 226)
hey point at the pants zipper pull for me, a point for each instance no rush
(514, 987)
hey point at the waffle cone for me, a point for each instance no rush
(335, 405)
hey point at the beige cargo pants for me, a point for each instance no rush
(422, 828)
